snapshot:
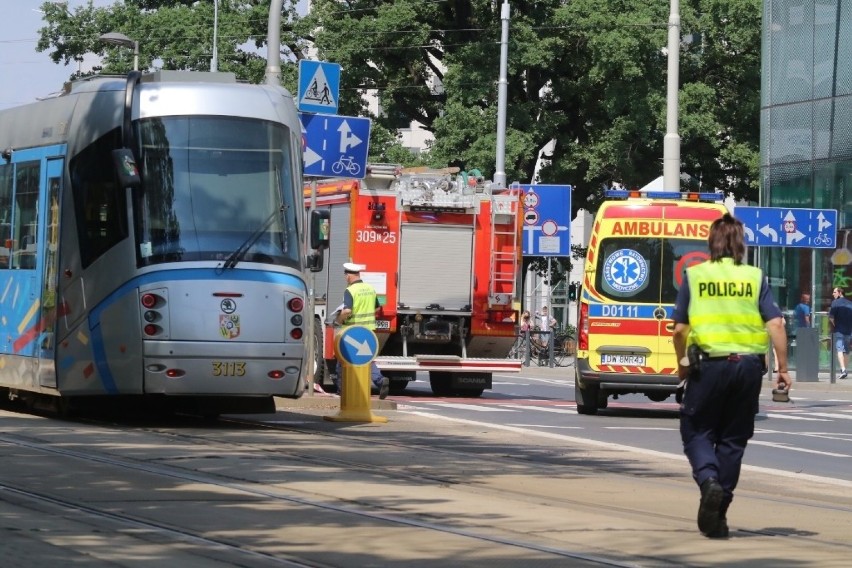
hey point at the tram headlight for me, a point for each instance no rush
(151, 329)
(296, 304)
(296, 333)
(149, 300)
(150, 316)
(296, 320)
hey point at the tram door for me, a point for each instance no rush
(30, 186)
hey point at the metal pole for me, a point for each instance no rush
(273, 44)
(309, 341)
(214, 63)
(502, 89)
(135, 55)
(671, 143)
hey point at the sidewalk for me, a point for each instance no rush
(593, 498)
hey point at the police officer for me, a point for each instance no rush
(725, 308)
(359, 308)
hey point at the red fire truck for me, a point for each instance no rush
(443, 252)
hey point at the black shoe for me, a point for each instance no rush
(721, 531)
(384, 388)
(709, 519)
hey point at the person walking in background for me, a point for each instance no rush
(724, 316)
(840, 316)
(526, 322)
(359, 308)
(802, 312)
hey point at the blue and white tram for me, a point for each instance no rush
(150, 230)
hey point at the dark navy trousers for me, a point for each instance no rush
(717, 418)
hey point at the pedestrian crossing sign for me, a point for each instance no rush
(319, 84)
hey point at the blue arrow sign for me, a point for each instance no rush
(786, 227)
(547, 220)
(357, 345)
(319, 85)
(335, 145)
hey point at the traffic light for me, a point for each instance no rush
(572, 291)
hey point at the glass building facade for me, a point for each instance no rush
(806, 143)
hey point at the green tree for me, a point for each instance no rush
(587, 75)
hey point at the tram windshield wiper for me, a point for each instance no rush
(241, 251)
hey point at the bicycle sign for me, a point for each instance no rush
(346, 163)
(785, 227)
(335, 145)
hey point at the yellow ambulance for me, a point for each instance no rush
(640, 247)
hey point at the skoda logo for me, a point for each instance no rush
(228, 306)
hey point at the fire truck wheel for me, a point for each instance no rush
(586, 398)
(398, 386)
(440, 383)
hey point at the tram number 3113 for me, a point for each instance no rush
(229, 368)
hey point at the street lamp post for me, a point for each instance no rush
(116, 38)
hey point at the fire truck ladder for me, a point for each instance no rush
(504, 263)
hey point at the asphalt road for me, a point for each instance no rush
(812, 435)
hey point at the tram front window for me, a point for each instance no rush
(212, 185)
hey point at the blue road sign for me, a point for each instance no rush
(547, 220)
(319, 85)
(786, 227)
(357, 345)
(335, 145)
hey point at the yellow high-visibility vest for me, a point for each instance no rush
(724, 313)
(363, 305)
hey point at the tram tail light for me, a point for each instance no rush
(155, 313)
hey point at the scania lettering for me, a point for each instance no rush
(641, 245)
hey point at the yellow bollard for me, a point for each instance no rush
(355, 347)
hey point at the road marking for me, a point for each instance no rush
(478, 408)
(539, 408)
(831, 415)
(797, 449)
(631, 428)
(793, 417)
(546, 426)
(633, 449)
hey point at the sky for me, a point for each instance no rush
(26, 74)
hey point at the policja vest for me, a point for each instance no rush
(724, 313)
(363, 305)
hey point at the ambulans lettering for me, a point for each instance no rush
(725, 289)
(661, 229)
(625, 271)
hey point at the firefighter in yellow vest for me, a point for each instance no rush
(359, 308)
(725, 317)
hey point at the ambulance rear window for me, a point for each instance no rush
(645, 270)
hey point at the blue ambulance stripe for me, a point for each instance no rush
(642, 311)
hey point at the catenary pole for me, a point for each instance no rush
(671, 143)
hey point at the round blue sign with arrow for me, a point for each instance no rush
(357, 345)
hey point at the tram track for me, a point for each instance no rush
(363, 510)
(260, 443)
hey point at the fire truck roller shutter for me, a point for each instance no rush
(436, 266)
(338, 253)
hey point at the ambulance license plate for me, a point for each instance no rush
(607, 359)
(382, 324)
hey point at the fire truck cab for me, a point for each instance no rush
(443, 252)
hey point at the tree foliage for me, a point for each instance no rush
(587, 75)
